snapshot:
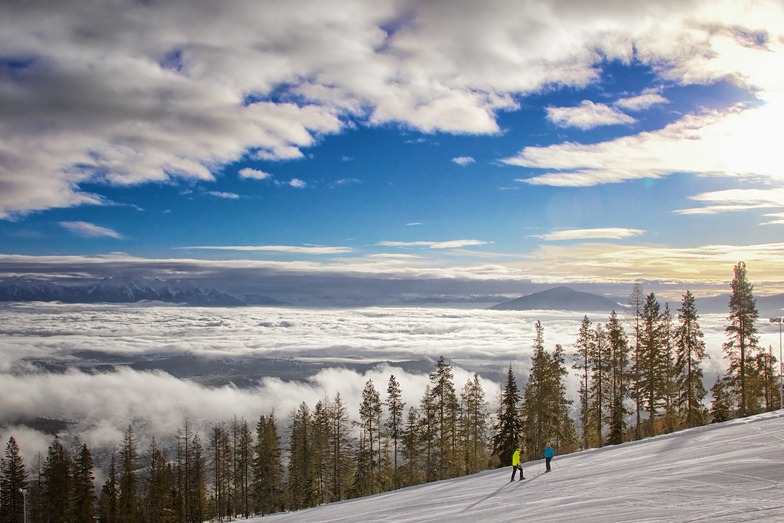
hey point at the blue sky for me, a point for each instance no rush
(559, 142)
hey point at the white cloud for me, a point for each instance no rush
(297, 183)
(224, 195)
(162, 91)
(738, 142)
(591, 234)
(90, 230)
(734, 200)
(587, 116)
(254, 174)
(641, 102)
(463, 160)
(452, 244)
(312, 249)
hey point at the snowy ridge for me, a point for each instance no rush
(731, 472)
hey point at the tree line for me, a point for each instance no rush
(632, 385)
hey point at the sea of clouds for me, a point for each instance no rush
(100, 405)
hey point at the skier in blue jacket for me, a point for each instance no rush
(549, 452)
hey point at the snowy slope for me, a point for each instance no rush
(726, 472)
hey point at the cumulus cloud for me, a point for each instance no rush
(613, 233)
(641, 102)
(127, 93)
(90, 230)
(254, 174)
(587, 116)
(463, 160)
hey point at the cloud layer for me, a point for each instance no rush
(102, 404)
(125, 93)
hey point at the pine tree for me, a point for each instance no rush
(268, 493)
(741, 347)
(197, 482)
(220, 449)
(83, 507)
(723, 405)
(652, 361)
(13, 484)
(57, 483)
(321, 434)
(508, 429)
(157, 503)
(109, 507)
(474, 415)
(689, 354)
(618, 346)
(669, 385)
(599, 388)
(581, 363)
(428, 435)
(243, 459)
(368, 463)
(128, 497)
(444, 399)
(394, 425)
(412, 473)
(636, 302)
(302, 479)
(341, 449)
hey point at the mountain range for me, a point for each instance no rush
(560, 298)
(122, 290)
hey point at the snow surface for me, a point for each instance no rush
(731, 471)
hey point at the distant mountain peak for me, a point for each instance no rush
(560, 298)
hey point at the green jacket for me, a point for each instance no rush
(516, 458)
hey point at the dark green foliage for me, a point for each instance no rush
(268, 494)
(509, 428)
(689, 354)
(13, 482)
(83, 505)
(56, 483)
(394, 424)
(741, 345)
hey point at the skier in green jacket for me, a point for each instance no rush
(516, 464)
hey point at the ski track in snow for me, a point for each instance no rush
(728, 472)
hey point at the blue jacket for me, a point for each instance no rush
(549, 452)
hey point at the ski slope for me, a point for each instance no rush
(731, 471)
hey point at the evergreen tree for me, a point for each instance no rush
(689, 354)
(581, 363)
(599, 387)
(341, 449)
(57, 483)
(302, 478)
(83, 504)
(652, 365)
(444, 400)
(321, 434)
(618, 346)
(268, 493)
(670, 389)
(741, 346)
(368, 454)
(220, 449)
(128, 497)
(412, 470)
(428, 435)
(508, 429)
(545, 410)
(394, 425)
(474, 415)
(243, 460)
(159, 485)
(197, 482)
(723, 405)
(636, 302)
(109, 507)
(13, 482)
